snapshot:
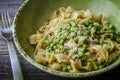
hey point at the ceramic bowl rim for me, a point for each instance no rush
(47, 69)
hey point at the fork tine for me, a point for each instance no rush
(3, 21)
(8, 18)
(5, 18)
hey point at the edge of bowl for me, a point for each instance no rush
(47, 69)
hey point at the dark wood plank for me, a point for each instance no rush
(5, 68)
(9, 1)
(10, 4)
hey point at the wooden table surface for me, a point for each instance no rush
(30, 72)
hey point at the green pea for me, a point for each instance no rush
(118, 33)
(64, 27)
(83, 49)
(88, 64)
(64, 31)
(51, 45)
(73, 23)
(69, 67)
(81, 54)
(102, 30)
(58, 51)
(82, 27)
(72, 35)
(87, 32)
(74, 51)
(96, 24)
(56, 41)
(91, 25)
(87, 54)
(79, 32)
(74, 29)
(93, 29)
(111, 31)
(98, 27)
(61, 41)
(58, 45)
(61, 47)
(54, 47)
(59, 33)
(112, 27)
(86, 23)
(71, 29)
(65, 69)
(75, 56)
(81, 42)
(111, 34)
(100, 67)
(75, 39)
(118, 40)
(68, 27)
(92, 33)
(101, 41)
(84, 45)
(46, 42)
(63, 36)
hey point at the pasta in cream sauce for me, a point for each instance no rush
(76, 41)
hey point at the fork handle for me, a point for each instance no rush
(17, 73)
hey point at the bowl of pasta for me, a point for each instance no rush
(69, 38)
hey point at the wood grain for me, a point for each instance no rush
(30, 72)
